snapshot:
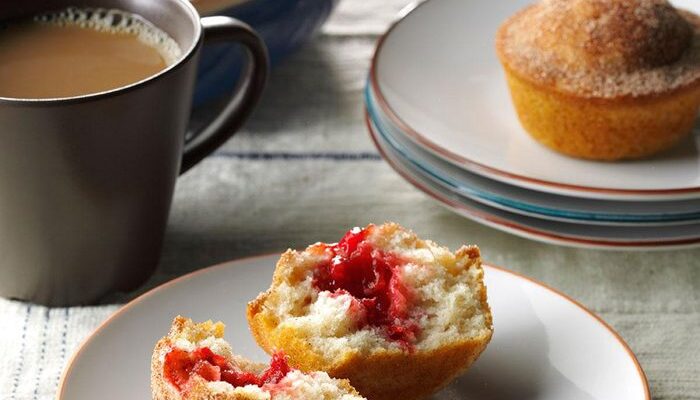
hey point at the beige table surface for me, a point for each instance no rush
(304, 170)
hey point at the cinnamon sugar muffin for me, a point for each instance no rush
(396, 315)
(195, 363)
(603, 79)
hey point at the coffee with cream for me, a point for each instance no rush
(80, 51)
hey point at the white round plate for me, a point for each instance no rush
(436, 75)
(545, 346)
(530, 202)
(548, 231)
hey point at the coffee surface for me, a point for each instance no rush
(49, 57)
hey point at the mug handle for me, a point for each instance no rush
(244, 97)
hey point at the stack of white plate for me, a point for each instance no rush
(439, 111)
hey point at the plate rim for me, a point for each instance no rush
(492, 172)
(244, 260)
(529, 232)
(529, 208)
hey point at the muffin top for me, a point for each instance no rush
(603, 48)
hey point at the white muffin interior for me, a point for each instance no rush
(296, 385)
(446, 298)
(316, 385)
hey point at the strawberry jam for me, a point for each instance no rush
(180, 365)
(370, 276)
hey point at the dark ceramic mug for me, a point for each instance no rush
(86, 182)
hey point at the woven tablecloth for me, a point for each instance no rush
(303, 169)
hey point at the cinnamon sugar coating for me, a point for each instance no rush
(603, 48)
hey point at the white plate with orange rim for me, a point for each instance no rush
(435, 74)
(546, 346)
(547, 231)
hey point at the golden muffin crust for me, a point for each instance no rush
(603, 48)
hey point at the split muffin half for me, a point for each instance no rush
(194, 362)
(398, 316)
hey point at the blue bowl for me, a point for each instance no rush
(284, 25)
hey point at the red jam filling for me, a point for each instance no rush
(370, 276)
(180, 365)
